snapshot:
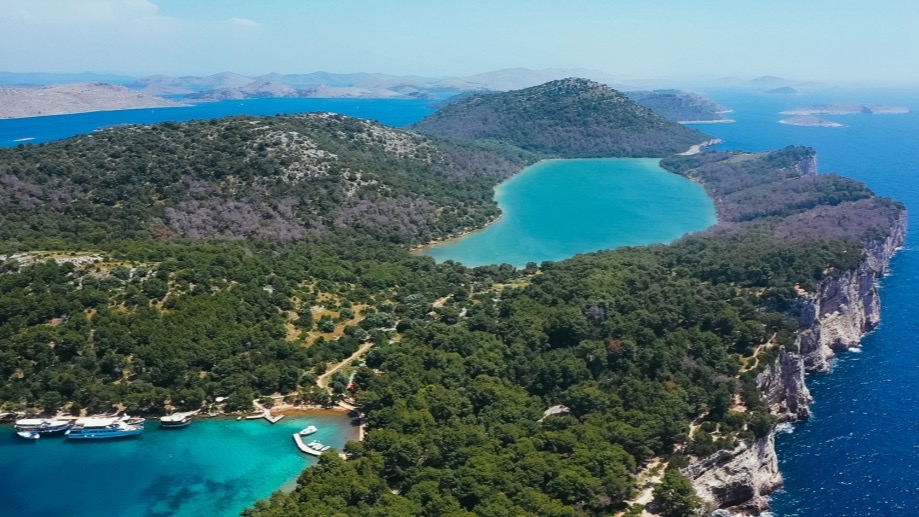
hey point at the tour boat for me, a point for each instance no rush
(175, 421)
(306, 431)
(42, 425)
(95, 428)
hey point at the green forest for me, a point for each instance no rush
(158, 268)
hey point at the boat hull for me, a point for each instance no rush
(103, 435)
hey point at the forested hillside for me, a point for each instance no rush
(270, 178)
(569, 118)
(162, 267)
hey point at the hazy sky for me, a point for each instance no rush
(829, 40)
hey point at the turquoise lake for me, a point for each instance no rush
(558, 208)
(213, 467)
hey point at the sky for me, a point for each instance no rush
(841, 41)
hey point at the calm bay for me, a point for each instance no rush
(559, 208)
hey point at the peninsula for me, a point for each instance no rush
(75, 98)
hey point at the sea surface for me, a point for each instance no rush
(34, 130)
(558, 208)
(213, 467)
(859, 454)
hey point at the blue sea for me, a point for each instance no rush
(858, 455)
(34, 130)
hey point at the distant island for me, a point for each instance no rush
(842, 108)
(682, 107)
(783, 90)
(809, 121)
(75, 98)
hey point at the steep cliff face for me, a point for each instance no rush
(846, 306)
(739, 479)
(783, 388)
(837, 316)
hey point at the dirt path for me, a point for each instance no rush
(323, 380)
(648, 479)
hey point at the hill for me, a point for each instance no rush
(680, 106)
(74, 98)
(273, 178)
(569, 118)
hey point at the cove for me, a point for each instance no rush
(213, 467)
(556, 209)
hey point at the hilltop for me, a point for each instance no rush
(272, 178)
(569, 118)
(74, 98)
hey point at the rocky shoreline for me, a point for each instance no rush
(835, 317)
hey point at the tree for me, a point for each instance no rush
(676, 496)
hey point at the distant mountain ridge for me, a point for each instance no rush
(74, 98)
(568, 118)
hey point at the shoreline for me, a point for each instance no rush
(696, 149)
(719, 121)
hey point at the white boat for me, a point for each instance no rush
(175, 421)
(42, 425)
(29, 435)
(95, 428)
(306, 431)
(316, 445)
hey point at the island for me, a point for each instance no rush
(783, 90)
(683, 107)
(75, 98)
(809, 121)
(848, 109)
(228, 262)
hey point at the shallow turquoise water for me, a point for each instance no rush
(213, 467)
(559, 208)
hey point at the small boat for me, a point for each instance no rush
(306, 431)
(175, 421)
(29, 435)
(317, 446)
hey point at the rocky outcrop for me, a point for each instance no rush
(739, 479)
(837, 316)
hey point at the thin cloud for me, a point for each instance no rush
(244, 22)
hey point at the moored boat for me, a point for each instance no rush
(306, 431)
(175, 421)
(105, 427)
(42, 425)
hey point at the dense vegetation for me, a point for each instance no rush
(677, 105)
(278, 178)
(569, 118)
(239, 258)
